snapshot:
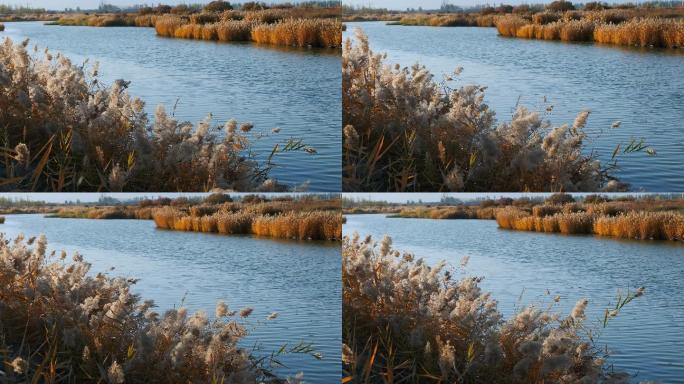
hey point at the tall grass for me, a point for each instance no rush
(300, 33)
(602, 28)
(459, 20)
(63, 130)
(603, 221)
(312, 225)
(649, 32)
(107, 20)
(642, 225)
(103, 213)
(61, 324)
(406, 132)
(324, 33)
(405, 321)
(626, 217)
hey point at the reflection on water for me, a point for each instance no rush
(297, 90)
(642, 88)
(299, 281)
(518, 267)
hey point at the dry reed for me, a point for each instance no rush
(66, 131)
(314, 225)
(642, 226)
(61, 324)
(404, 131)
(603, 219)
(608, 28)
(288, 32)
(405, 321)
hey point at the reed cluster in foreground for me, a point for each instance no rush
(405, 321)
(639, 32)
(63, 130)
(405, 132)
(641, 225)
(61, 324)
(324, 33)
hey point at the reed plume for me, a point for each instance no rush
(406, 320)
(403, 131)
(67, 131)
(62, 324)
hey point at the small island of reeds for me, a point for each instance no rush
(646, 217)
(650, 24)
(308, 217)
(309, 24)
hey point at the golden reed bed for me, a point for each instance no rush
(315, 225)
(626, 218)
(289, 32)
(300, 27)
(639, 32)
(285, 218)
(640, 225)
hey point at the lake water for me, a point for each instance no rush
(298, 90)
(518, 267)
(300, 281)
(644, 89)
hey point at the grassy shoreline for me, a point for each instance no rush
(623, 26)
(661, 220)
(306, 219)
(294, 27)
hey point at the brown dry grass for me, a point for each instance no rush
(62, 324)
(608, 27)
(322, 33)
(642, 226)
(307, 219)
(408, 322)
(313, 225)
(641, 221)
(300, 33)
